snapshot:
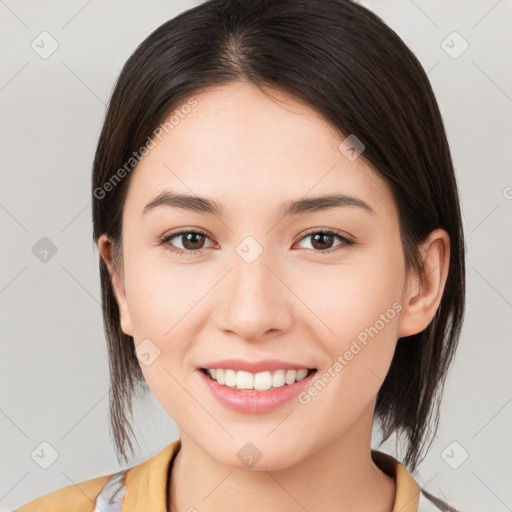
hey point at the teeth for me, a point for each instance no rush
(258, 381)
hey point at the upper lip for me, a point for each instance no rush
(255, 366)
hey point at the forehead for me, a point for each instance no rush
(244, 148)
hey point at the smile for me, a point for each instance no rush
(251, 400)
(261, 381)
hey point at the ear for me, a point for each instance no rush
(105, 250)
(423, 294)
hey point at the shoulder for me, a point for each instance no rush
(79, 497)
(143, 486)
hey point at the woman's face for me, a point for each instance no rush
(260, 285)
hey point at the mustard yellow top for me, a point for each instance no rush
(144, 488)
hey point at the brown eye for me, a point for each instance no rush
(191, 241)
(322, 241)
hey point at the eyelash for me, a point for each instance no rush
(346, 242)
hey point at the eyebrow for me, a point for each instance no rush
(208, 206)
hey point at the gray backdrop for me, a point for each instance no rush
(54, 371)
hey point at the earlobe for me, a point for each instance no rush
(424, 292)
(105, 250)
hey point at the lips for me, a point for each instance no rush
(255, 366)
(253, 401)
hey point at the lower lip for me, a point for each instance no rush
(255, 402)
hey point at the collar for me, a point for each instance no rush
(146, 483)
(407, 490)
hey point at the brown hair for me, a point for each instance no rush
(344, 61)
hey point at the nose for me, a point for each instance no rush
(255, 302)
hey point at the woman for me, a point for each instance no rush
(281, 259)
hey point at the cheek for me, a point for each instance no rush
(349, 312)
(358, 307)
(161, 296)
(162, 310)
(349, 299)
(165, 304)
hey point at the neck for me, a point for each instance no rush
(338, 476)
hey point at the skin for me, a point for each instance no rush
(250, 153)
